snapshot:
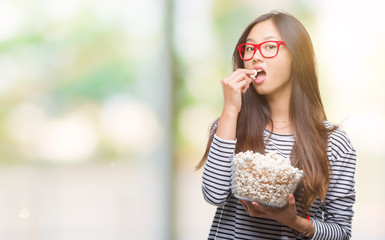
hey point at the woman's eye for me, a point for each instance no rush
(270, 47)
(249, 49)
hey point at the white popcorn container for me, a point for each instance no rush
(267, 179)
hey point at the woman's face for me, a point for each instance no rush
(274, 79)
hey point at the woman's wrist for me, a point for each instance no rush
(230, 111)
(227, 124)
(303, 226)
(299, 224)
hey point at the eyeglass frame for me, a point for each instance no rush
(258, 46)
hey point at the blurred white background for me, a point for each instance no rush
(105, 108)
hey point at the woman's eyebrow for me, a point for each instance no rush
(270, 37)
(265, 39)
(250, 40)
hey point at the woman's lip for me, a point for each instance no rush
(259, 68)
(260, 80)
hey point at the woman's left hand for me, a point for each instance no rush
(286, 215)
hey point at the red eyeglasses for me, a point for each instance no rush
(268, 49)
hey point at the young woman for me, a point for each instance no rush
(280, 110)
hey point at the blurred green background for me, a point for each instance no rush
(105, 108)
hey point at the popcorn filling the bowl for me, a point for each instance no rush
(268, 179)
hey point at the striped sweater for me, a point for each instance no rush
(332, 219)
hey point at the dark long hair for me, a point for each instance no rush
(306, 110)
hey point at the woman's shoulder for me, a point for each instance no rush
(339, 141)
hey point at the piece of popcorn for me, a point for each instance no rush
(268, 179)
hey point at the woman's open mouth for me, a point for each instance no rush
(259, 76)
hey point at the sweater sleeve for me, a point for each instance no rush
(339, 200)
(217, 172)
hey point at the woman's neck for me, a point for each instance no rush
(280, 114)
(279, 107)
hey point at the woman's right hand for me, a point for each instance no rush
(234, 85)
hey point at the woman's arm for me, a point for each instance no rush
(338, 210)
(217, 172)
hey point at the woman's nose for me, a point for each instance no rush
(258, 56)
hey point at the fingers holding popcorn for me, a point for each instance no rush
(234, 86)
(251, 209)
